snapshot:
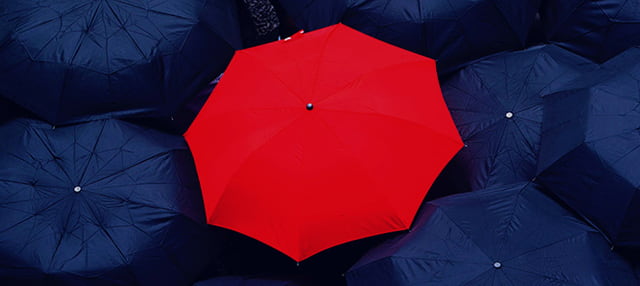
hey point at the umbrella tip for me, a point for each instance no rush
(309, 106)
(509, 114)
(497, 265)
(77, 189)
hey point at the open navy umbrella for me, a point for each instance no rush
(99, 203)
(590, 148)
(597, 29)
(510, 235)
(496, 104)
(256, 281)
(70, 60)
(452, 32)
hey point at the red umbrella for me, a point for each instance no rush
(320, 139)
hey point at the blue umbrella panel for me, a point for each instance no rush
(596, 29)
(452, 32)
(509, 235)
(99, 203)
(590, 148)
(497, 105)
(68, 61)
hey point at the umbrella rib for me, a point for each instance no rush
(550, 244)
(133, 202)
(512, 213)
(359, 77)
(275, 75)
(33, 215)
(543, 275)
(392, 117)
(314, 83)
(129, 167)
(47, 147)
(152, 10)
(115, 15)
(93, 150)
(59, 242)
(250, 154)
(466, 235)
(104, 230)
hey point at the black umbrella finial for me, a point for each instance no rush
(309, 106)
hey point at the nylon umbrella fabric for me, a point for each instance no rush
(99, 203)
(497, 106)
(255, 281)
(338, 137)
(596, 29)
(69, 61)
(452, 32)
(507, 235)
(590, 148)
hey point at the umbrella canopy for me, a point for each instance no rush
(69, 60)
(255, 281)
(508, 235)
(338, 137)
(453, 32)
(590, 148)
(496, 104)
(597, 29)
(100, 203)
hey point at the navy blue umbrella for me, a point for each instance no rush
(71, 60)
(453, 32)
(597, 29)
(496, 104)
(590, 148)
(99, 203)
(256, 281)
(512, 235)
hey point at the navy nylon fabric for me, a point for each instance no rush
(509, 235)
(100, 203)
(590, 148)
(452, 32)
(253, 281)
(497, 106)
(70, 61)
(597, 29)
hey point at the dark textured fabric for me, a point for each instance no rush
(597, 29)
(509, 235)
(452, 32)
(100, 203)
(590, 148)
(497, 106)
(70, 61)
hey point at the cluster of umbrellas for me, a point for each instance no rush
(180, 142)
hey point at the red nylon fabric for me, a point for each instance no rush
(358, 164)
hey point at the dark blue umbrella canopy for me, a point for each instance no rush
(255, 281)
(590, 148)
(497, 106)
(71, 60)
(100, 203)
(453, 32)
(511, 235)
(597, 29)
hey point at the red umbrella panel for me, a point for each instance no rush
(321, 139)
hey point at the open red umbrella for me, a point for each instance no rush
(320, 139)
